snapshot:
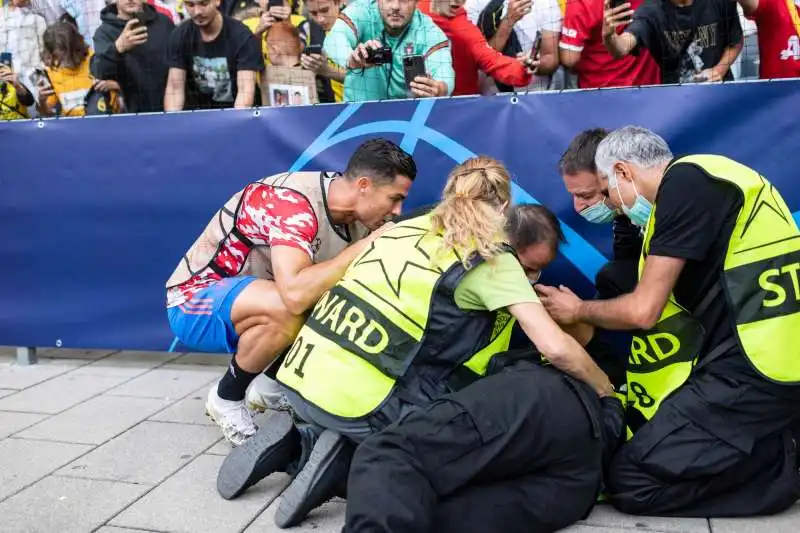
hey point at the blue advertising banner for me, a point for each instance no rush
(96, 212)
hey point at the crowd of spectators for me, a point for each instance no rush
(78, 57)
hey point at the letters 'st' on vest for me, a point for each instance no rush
(760, 284)
(391, 323)
(224, 249)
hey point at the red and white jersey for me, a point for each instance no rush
(283, 210)
(778, 38)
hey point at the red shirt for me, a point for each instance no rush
(471, 52)
(778, 42)
(582, 31)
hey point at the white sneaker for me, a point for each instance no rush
(265, 393)
(233, 418)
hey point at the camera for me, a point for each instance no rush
(379, 56)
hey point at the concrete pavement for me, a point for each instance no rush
(117, 442)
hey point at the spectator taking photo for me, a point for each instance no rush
(65, 89)
(371, 39)
(130, 46)
(330, 78)
(213, 61)
(692, 40)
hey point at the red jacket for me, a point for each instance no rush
(471, 52)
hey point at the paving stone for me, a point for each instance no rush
(787, 522)
(222, 447)
(188, 502)
(14, 376)
(73, 353)
(112, 529)
(168, 381)
(6, 392)
(147, 453)
(66, 505)
(10, 423)
(58, 394)
(96, 420)
(607, 516)
(24, 461)
(207, 359)
(328, 518)
(580, 528)
(190, 410)
(126, 364)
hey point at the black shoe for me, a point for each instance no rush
(273, 448)
(319, 480)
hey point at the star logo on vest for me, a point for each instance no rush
(383, 251)
(766, 199)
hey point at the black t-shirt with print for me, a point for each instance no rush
(664, 29)
(211, 67)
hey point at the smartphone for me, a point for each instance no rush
(536, 49)
(7, 59)
(313, 49)
(274, 3)
(613, 4)
(40, 79)
(413, 66)
(139, 16)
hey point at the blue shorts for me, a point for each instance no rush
(203, 323)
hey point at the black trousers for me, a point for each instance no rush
(723, 445)
(516, 451)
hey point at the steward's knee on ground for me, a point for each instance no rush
(632, 490)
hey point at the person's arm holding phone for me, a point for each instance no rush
(618, 14)
(441, 78)
(515, 11)
(313, 59)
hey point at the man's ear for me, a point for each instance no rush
(363, 183)
(624, 170)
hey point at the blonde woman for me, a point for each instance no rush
(421, 313)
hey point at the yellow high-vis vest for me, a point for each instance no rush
(391, 322)
(760, 284)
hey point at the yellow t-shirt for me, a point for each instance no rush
(71, 86)
(10, 107)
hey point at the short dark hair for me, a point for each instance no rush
(529, 224)
(579, 156)
(381, 160)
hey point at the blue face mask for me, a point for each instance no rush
(640, 212)
(598, 213)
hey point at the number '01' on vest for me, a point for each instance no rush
(392, 322)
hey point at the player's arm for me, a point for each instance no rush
(301, 282)
(293, 227)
